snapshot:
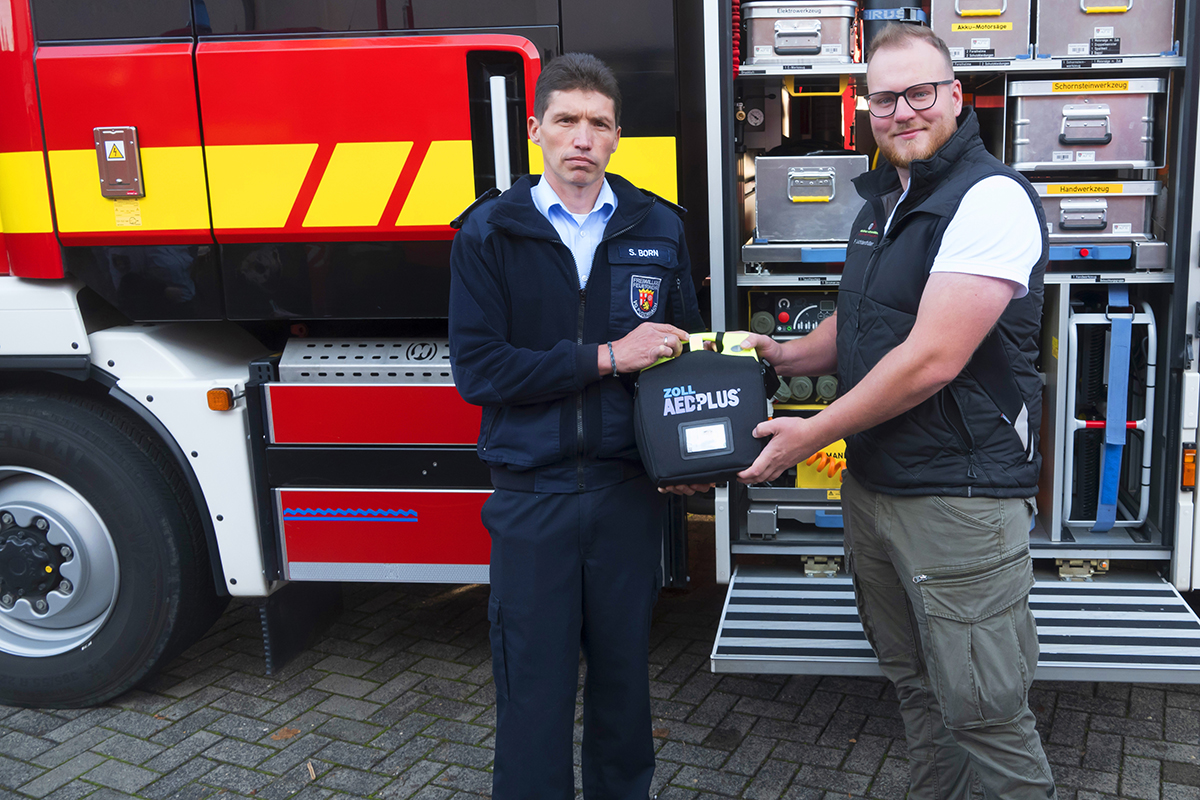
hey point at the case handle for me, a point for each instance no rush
(1083, 215)
(983, 12)
(798, 37)
(1082, 124)
(1085, 8)
(811, 184)
(725, 342)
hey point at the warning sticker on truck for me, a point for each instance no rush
(128, 211)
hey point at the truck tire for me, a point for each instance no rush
(104, 569)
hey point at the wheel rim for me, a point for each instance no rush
(48, 531)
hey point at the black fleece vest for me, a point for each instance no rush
(978, 436)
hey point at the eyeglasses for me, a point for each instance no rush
(919, 97)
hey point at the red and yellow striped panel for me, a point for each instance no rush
(149, 86)
(25, 216)
(341, 139)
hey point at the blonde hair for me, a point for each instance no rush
(896, 35)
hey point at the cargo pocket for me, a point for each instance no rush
(496, 635)
(982, 639)
(984, 513)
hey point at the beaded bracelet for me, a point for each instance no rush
(612, 359)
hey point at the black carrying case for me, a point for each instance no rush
(695, 414)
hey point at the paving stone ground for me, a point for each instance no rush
(396, 701)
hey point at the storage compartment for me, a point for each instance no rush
(806, 198)
(799, 31)
(1086, 124)
(975, 29)
(1099, 212)
(1070, 28)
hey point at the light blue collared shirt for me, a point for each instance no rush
(581, 233)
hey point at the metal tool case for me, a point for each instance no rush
(975, 29)
(800, 31)
(806, 198)
(1068, 28)
(1085, 124)
(1097, 211)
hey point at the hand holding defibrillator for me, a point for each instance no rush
(640, 348)
(792, 440)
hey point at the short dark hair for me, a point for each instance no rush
(903, 35)
(572, 71)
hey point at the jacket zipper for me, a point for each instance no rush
(579, 443)
(972, 572)
(579, 396)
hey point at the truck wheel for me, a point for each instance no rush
(104, 570)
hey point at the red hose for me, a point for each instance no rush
(737, 36)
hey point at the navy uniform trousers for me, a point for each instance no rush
(572, 570)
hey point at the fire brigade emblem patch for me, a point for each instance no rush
(643, 295)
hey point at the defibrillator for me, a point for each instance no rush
(695, 413)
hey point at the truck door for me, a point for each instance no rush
(340, 140)
(336, 162)
(117, 92)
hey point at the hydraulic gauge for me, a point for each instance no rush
(755, 117)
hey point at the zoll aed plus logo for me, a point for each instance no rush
(686, 400)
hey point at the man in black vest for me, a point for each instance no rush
(934, 341)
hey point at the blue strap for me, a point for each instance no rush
(1116, 413)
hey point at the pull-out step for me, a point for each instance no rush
(1113, 629)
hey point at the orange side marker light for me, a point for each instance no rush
(220, 399)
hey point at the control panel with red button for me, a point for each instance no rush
(787, 314)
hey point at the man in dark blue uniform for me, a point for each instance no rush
(559, 287)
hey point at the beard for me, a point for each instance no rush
(901, 157)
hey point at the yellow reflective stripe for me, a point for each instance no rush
(649, 163)
(357, 184)
(444, 186)
(645, 161)
(535, 158)
(255, 185)
(176, 197)
(24, 196)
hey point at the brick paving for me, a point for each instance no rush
(396, 702)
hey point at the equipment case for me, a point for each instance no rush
(1082, 28)
(800, 31)
(975, 29)
(1099, 211)
(806, 198)
(1085, 124)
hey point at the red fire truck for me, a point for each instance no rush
(223, 361)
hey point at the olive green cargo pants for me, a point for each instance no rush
(942, 585)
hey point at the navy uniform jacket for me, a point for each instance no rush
(523, 335)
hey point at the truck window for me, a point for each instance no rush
(59, 20)
(226, 17)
